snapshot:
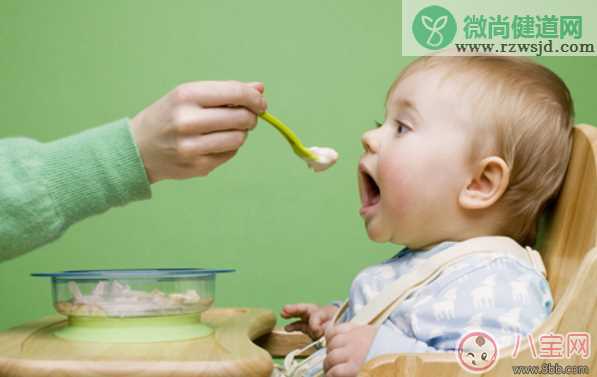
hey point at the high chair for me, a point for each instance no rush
(568, 245)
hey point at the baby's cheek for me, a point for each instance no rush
(399, 191)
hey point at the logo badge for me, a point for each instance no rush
(477, 352)
(434, 27)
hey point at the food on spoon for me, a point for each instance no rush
(326, 157)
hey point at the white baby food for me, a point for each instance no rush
(326, 157)
(115, 299)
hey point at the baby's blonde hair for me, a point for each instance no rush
(527, 110)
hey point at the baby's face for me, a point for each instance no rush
(416, 163)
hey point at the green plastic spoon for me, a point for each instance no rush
(298, 147)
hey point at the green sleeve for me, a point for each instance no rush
(47, 187)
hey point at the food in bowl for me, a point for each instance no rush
(116, 299)
(133, 293)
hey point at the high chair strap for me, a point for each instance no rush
(382, 305)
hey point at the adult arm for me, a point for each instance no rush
(46, 187)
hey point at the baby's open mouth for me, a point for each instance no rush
(370, 193)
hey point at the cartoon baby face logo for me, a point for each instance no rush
(477, 352)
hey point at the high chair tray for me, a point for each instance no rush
(32, 350)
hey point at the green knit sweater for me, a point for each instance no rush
(46, 187)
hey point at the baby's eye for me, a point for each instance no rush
(402, 128)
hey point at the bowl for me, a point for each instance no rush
(133, 293)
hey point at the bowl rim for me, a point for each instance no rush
(135, 273)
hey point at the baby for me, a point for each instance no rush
(470, 146)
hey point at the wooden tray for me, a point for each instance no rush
(31, 350)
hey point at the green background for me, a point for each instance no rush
(66, 66)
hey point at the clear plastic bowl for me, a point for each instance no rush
(133, 293)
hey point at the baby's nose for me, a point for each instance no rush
(369, 143)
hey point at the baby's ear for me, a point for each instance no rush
(487, 184)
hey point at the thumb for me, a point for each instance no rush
(257, 85)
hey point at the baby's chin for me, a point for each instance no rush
(379, 234)
(376, 232)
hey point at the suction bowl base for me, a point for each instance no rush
(134, 330)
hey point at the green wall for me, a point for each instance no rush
(66, 66)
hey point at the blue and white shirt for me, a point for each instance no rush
(501, 296)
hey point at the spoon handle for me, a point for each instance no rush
(290, 136)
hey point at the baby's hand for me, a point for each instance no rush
(347, 348)
(313, 318)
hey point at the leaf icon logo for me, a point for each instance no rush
(434, 27)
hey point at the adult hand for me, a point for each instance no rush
(196, 127)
